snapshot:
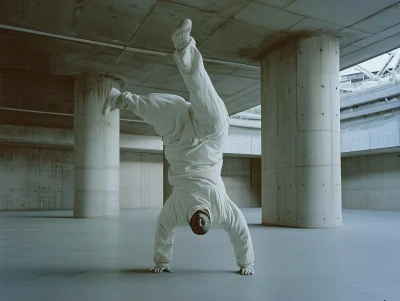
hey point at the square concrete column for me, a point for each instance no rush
(301, 176)
(96, 147)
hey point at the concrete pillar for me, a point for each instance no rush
(96, 144)
(167, 188)
(301, 176)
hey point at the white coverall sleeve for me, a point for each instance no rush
(209, 110)
(164, 236)
(239, 235)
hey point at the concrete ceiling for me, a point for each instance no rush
(36, 71)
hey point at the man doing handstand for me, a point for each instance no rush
(193, 135)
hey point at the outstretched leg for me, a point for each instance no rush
(166, 112)
(208, 108)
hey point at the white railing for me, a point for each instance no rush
(369, 90)
(357, 98)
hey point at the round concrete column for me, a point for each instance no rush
(96, 173)
(301, 174)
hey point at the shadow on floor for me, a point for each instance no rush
(39, 216)
(134, 271)
(259, 225)
(19, 273)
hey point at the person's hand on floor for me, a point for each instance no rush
(246, 271)
(160, 268)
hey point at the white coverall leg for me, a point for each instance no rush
(165, 112)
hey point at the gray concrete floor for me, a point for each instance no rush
(49, 256)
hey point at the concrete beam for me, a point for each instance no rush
(357, 136)
(63, 138)
(373, 134)
(18, 134)
(121, 47)
(241, 141)
(370, 110)
(142, 143)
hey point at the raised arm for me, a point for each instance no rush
(239, 235)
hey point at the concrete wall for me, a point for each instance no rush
(243, 141)
(371, 182)
(371, 133)
(43, 179)
(141, 180)
(242, 178)
(36, 179)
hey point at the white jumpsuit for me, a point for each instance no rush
(193, 135)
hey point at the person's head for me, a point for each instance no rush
(200, 223)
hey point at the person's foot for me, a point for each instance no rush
(112, 102)
(181, 36)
